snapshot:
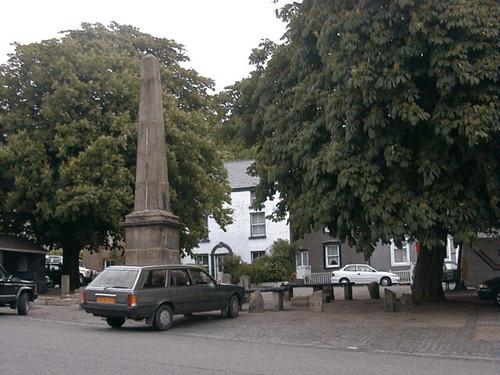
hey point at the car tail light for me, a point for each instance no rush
(483, 286)
(132, 300)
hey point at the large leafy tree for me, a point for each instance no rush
(380, 120)
(68, 120)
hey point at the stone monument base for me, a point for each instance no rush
(152, 237)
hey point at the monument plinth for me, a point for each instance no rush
(152, 232)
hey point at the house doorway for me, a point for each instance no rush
(218, 253)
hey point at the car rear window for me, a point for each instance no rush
(115, 278)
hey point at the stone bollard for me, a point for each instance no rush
(256, 303)
(390, 301)
(316, 301)
(64, 285)
(277, 300)
(287, 293)
(406, 300)
(245, 281)
(225, 278)
(374, 290)
(328, 293)
(348, 291)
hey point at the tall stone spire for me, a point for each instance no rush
(152, 232)
(151, 181)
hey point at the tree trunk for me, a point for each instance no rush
(427, 286)
(71, 257)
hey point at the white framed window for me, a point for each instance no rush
(303, 258)
(253, 201)
(257, 224)
(400, 256)
(332, 254)
(257, 254)
(201, 259)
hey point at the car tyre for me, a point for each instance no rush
(385, 281)
(232, 309)
(344, 281)
(115, 322)
(23, 304)
(497, 299)
(163, 318)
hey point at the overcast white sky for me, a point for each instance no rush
(218, 35)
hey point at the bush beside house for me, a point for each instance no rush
(279, 265)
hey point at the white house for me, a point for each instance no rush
(251, 234)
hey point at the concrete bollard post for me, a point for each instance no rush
(256, 303)
(374, 290)
(226, 278)
(348, 291)
(277, 300)
(328, 292)
(65, 285)
(389, 301)
(316, 301)
(245, 281)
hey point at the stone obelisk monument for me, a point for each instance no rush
(151, 230)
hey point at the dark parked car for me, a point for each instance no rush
(156, 293)
(16, 293)
(489, 290)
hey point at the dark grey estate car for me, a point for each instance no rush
(156, 293)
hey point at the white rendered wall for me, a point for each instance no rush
(237, 234)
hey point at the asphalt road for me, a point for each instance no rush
(31, 345)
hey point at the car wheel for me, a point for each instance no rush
(343, 281)
(497, 299)
(385, 281)
(163, 318)
(23, 304)
(232, 309)
(115, 322)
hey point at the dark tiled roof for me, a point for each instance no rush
(238, 176)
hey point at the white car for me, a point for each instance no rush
(363, 274)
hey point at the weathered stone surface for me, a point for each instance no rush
(316, 302)
(390, 302)
(245, 281)
(348, 292)
(407, 301)
(256, 303)
(374, 290)
(277, 300)
(328, 293)
(65, 286)
(152, 232)
(225, 278)
(151, 180)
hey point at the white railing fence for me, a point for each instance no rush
(404, 276)
(319, 278)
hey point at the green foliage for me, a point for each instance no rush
(278, 266)
(68, 124)
(380, 119)
(233, 265)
